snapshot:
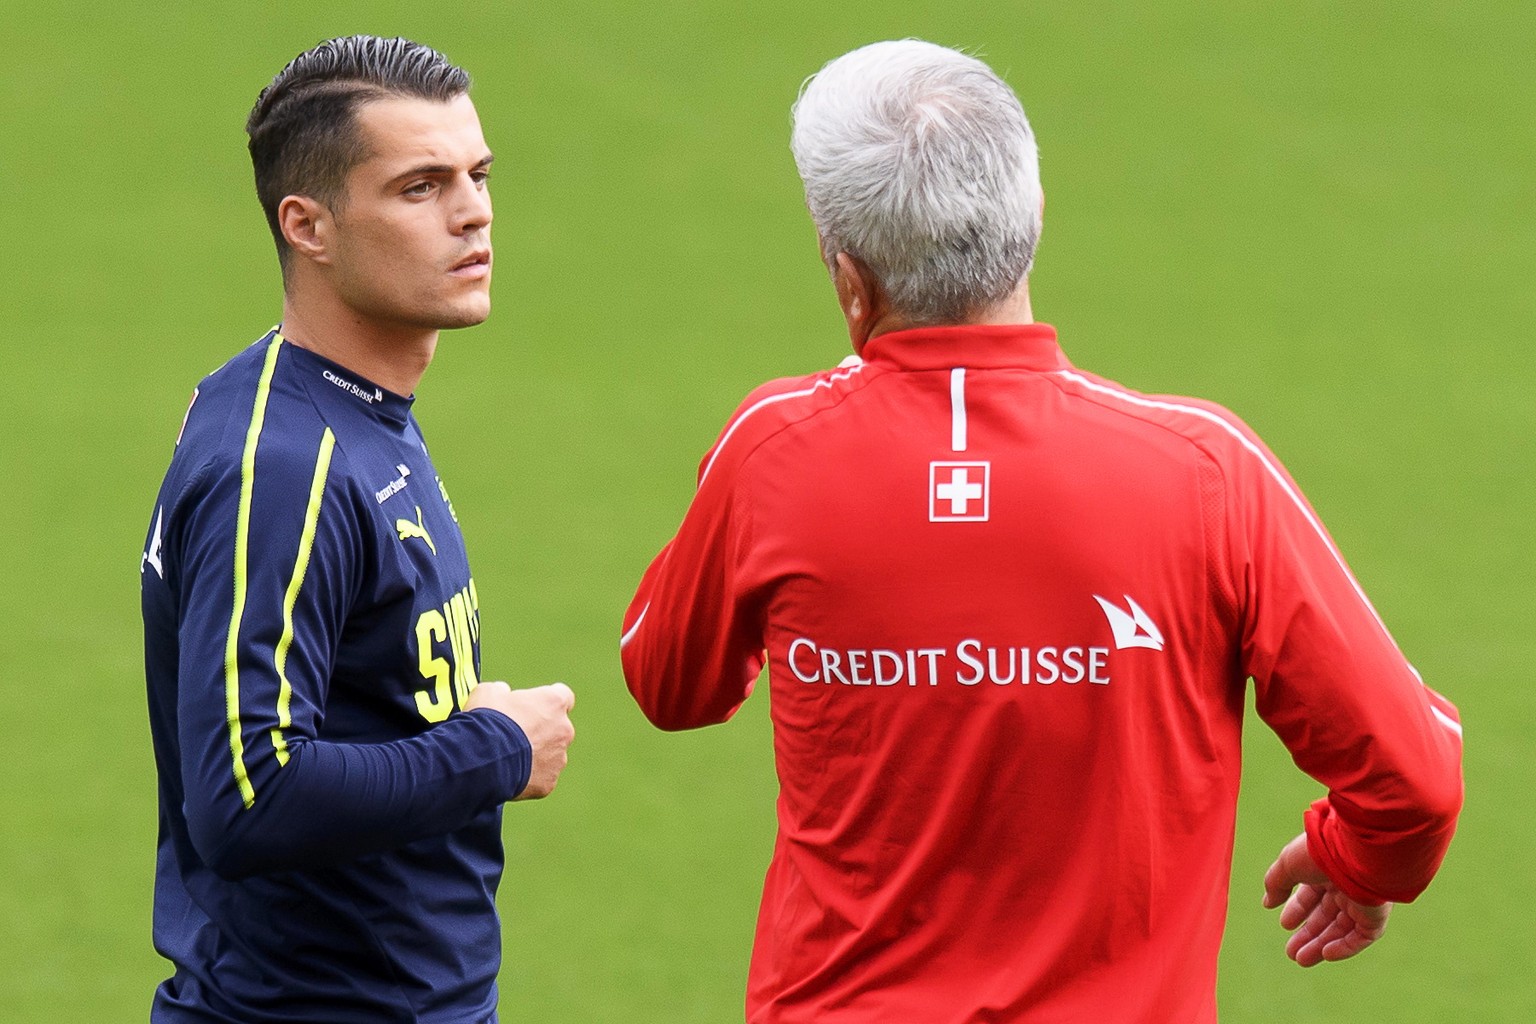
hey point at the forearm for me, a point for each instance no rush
(1392, 862)
(336, 801)
(1392, 767)
(1394, 782)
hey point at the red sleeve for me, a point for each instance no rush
(692, 645)
(1331, 682)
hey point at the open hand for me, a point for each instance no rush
(1328, 925)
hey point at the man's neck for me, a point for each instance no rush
(1015, 309)
(394, 358)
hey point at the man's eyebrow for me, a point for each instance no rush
(428, 170)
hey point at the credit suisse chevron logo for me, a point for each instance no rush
(1133, 628)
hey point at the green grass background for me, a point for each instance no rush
(1321, 215)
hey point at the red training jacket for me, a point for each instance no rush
(1008, 611)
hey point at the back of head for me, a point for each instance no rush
(304, 136)
(919, 162)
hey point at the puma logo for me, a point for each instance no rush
(408, 530)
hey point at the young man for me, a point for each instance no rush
(1008, 610)
(331, 768)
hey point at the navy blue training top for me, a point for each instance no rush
(330, 822)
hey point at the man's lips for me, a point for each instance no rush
(475, 264)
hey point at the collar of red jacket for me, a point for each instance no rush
(1025, 346)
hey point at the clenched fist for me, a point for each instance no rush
(543, 713)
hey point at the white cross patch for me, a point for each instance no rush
(959, 492)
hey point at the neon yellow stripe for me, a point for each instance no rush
(300, 568)
(242, 553)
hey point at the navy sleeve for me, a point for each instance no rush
(268, 561)
(336, 801)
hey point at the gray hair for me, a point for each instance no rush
(918, 161)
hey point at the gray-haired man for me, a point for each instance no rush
(1008, 610)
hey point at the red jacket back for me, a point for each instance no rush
(1009, 611)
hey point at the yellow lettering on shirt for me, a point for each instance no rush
(445, 642)
(435, 702)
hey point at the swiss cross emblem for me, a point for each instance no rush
(959, 492)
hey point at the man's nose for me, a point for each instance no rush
(474, 210)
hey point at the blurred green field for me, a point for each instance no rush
(1318, 214)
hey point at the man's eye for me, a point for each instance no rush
(481, 177)
(421, 188)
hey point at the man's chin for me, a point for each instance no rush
(465, 316)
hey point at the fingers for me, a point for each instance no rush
(1292, 867)
(549, 731)
(1338, 940)
(1278, 884)
(1327, 924)
(1323, 925)
(543, 714)
(1302, 905)
(1347, 946)
(1368, 924)
(551, 698)
(1335, 928)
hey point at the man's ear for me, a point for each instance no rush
(859, 296)
(308, 226)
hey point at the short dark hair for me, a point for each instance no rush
(303, 129)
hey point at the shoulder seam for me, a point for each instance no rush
(1265, 461)
(824, 382)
